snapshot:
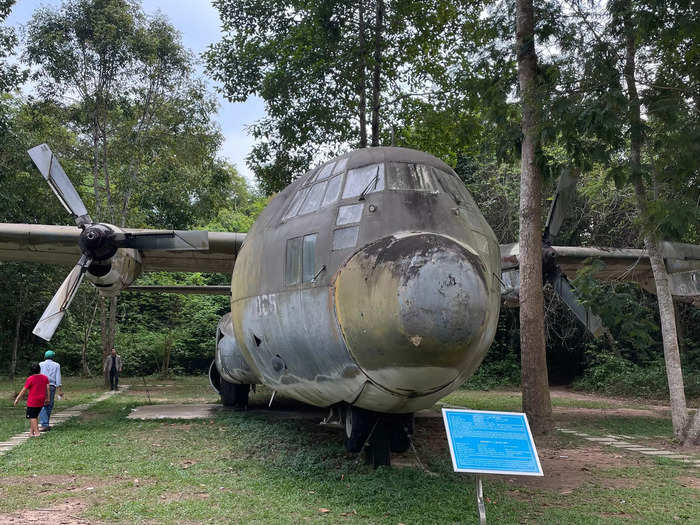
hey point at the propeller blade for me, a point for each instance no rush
(172, 240)
(560, 204)
(591, 321)
(60, 302)
(60, 183)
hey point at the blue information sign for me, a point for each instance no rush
(491, 442)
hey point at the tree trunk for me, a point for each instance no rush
(362, 81)
(96, 167)
(104, 334)
(376, 78)
(674, 374)
(15, 345)
(536, 402)
(693, 435)
(672, 356)
(112, 321)
(167, 348)
(86, 336)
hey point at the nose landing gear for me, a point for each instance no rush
(378, 434)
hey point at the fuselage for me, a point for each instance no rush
(371, 280)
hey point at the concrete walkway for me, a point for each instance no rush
(625, 443)
(58, 418)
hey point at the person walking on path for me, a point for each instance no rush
(52, 370)
(113, 365)
(37, 386)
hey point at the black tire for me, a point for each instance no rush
(379, 448)
(358, 424)
(242, 392)
(227, 391)
(400, 433)
(234, 395)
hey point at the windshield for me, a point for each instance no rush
(405, 176)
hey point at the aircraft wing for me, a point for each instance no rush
(624, 264)
(51, 244)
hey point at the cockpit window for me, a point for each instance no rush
(452, 185)
(308, 263)
(349, 214)
(340, 166)
(333, 190)
(296, 203)
(313, 200)
(366, 179)
(404, 176)
(325, 171)
(292, 270)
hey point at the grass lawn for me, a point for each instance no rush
(13, 421)
(259, 467)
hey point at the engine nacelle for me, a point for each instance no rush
(229, 360)
(119, 268)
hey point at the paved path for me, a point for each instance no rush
(625, 443)
(58, 418)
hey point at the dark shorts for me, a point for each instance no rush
(33, 412)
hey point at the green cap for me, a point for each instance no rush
(49, 354)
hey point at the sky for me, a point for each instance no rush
(198, 21)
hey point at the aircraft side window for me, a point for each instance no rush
(349, 214)
(333, 190)
(367, 179)
(404, 176)
(308, 265)
(313, 201)
(292, 270)
(345, 237)
(296, 203)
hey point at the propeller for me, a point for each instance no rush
(60, 302)
(551, 270)
(60, 183)
(98, 242)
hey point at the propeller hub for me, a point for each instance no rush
(97, 242)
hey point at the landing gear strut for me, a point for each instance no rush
(379, 434)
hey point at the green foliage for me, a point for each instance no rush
(611, 374)
(135, 133)
(11, 75)
(631, 322)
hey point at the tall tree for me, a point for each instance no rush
(536, 402)
(140, 113)
(319, 65)
(632, 94)
(10, 74)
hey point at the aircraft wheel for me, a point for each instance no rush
(401, 432)
(234, 395)
(358, 424)
(242, 392)
(378, 451)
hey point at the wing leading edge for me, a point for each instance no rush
(621, 264)
(50, 244)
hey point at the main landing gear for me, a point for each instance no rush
(233, 395)
(378, 434)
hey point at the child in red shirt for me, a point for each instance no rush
(37, 386)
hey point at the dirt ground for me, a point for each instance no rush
(66, 512)
(565, 468)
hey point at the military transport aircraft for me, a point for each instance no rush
(371, 284)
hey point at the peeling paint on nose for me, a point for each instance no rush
(410, 309)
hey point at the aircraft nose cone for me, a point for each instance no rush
(410, 310)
